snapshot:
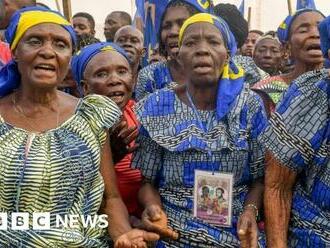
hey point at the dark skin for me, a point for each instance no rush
(268, 56)
(172, 22)
(202, 53)
(109, 74)
(279, 183)
(304, 45)
(131, 39)
(81, 26)
(43, 55)
(113, 22)
(8, 9)
(248, 46)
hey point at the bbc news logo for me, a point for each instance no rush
(42, 221)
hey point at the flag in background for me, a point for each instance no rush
(242, 7)
(302, 4)
(150, 12)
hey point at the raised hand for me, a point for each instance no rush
(121, 136)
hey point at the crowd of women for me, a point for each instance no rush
(133, 147)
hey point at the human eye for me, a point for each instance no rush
(134, 40)
(34, 41)
(122, 71)
(167, 26)
(188, 43)
(60, 44)
(214, 42)
(102, 74)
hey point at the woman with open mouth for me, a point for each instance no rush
(297, 185)
(207, 126)
(300, 39)
(53, 154)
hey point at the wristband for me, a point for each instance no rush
(255, 209)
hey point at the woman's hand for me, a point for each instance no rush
(121, 137)
(247, 229)
(135, 238)
(155, 220)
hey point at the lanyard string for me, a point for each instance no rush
(205, 128)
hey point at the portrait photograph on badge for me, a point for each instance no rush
(213, 197)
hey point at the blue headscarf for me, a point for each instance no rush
(203, 6)
(232, 78)
(20, 22)
(324, 28)
(283, 31)
(81, 59)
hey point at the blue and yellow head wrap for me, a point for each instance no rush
(324, 28)
(232, 78)
(20, 22)
(203, 6)
(81, 59)
(283, 31)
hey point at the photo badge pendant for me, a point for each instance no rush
(213, 193)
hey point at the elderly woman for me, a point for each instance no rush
(301, 39)
(104, 69)
(53, 158)
(211, 123)
(297, 193)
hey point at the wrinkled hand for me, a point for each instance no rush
(121, 136)
(247, 229)
(155, 220)
(135, 239)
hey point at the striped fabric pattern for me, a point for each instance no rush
(56, 172)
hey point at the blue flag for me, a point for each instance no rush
(303, 4)
(242, 7)
(150, 12)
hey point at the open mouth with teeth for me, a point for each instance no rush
(314, 47)
(117, 96)
(45, 67)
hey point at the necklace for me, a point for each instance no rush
(20, 110)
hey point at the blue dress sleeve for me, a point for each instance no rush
(297, 129)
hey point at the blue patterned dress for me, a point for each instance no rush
(56, 172)
(173, 146)
(158, 76)
(299, 136)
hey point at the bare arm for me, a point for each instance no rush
(112, 204)
(279, 183)
(148, 195)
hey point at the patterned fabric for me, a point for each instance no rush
(173, 145)
(56, 172)
(299, 137)
(158, 76)
(271, 90)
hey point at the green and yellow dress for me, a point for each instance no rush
(56, 172)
